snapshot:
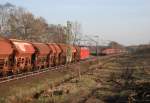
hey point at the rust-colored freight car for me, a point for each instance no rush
(84, 53)
(63, 54)
(58, 52)
(17, 56)
(68, 53)
(52, 55)
(41, 55)
(23, 53)
(6, 56)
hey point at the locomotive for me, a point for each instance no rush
(18, 56)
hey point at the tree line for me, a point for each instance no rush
(18, 23)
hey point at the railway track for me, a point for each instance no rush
(37, 72)
(55, 68)
(58, 85)
(27, 74)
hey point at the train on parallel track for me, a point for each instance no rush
(19, 56)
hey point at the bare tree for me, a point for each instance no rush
(26, 26)
(76, 32)
(58, 33)
(5, 11)
(21, 24)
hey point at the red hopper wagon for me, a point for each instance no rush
(23, 55)
(41, 55)
(58, 52)
(84, 53)
(52, 56)
(6, 56)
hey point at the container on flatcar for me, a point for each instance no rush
(52, 56)
(84, 53)
(6, 56)
(23, 55)
(58, 52)
(41, 55)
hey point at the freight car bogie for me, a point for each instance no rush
(22, 64)
(41, 62)
(5, 66)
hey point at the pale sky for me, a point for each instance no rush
(124, 21)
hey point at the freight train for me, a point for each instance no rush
(18, 56)
(112, 51)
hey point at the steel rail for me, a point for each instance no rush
(37, 72)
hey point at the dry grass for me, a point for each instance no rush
(106, 84)
(22, 91)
